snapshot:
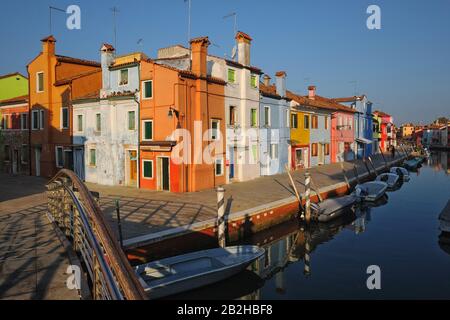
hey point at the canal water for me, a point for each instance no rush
(400, 236)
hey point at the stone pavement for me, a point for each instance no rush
(33, 260)
(144, 211)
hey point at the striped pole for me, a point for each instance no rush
(307, 197)
(221, 216)
(307, 258)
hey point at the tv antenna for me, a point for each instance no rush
(51, 9)
(234, 15)
(189, 21)
(115, 11)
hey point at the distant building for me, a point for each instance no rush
(406, 130)
(12, 86)
(386, 130)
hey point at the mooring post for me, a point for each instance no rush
(382, 154)
(345, 176)
(221, 216)
(373, 166)
(367, 167)
(316, 190)
(307, 257)
(355, 170)
(119, 222)
(307, 197)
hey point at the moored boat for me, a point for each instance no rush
(412, 164)
(444, 219)
(391, 179)
(401, 172)
(331, 208)
(194, 270)
(370, 191)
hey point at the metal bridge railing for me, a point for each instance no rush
(77, 214)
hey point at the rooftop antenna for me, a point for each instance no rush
(51, 9)
(140, 43)
(189, 20)
(234, 51)
(115, 11)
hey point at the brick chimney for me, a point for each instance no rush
(48, 46)
(107, 58)
(281, 83)
(266, 80)
(312, 92)
(244, 43)
(199, 48)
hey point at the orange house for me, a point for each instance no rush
(182, 112)
(54, 81)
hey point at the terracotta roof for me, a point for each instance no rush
(200, 39)
(334, 104)
(381, 113)
(238, 65)
(12, 75)
(269, 91)
(349, 99)
(77, 61)
(280, 74)
(318, 102)
(70, 79)
(15, 100)
(241, 34)
(92, 95)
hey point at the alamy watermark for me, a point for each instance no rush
(374, 20)
(73, 282)
(374, 280)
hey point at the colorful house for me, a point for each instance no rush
(14, 135)
(274, 135)
(106, 123)
(387, 133)
(363, 130)
(13, 85)
(182, 114)
(241, 102)
(54, 80)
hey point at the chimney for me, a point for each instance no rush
(281, 83)
(266, 80)
(244, 42)
(48, 46)
(199, 49)
(312, 92)
(107, 58)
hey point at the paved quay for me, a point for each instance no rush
(33, 259)
(149, 214)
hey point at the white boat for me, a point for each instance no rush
(401, 172)
(390, 178)
(331, 208)
(370, 191)
(194, 270)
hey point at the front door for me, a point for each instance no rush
(163, 174)
(37, 157)
(321, 154)
(231, 163)
(132, 180)
(68, 159)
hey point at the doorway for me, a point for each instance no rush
(37, 162)
(163, 173)
(301, 158)
(231, 163)
(132, 168)
(15, 162)
(321, 154)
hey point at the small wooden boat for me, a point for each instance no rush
(331, 208)
(401, 172)
(390, 178)
(194, 270)
(444, 219)
(370, 191)
(412, 164)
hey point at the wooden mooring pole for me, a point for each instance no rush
(345, 175)
(307, 197)
(221, 216)
(373, 166)
(119, 223)
(293, 186)
(382, 154)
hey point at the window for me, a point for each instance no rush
(92, 158)
(231, 75)
(274, 151)
(267, 116)
(219, 167)
(40, 82)
(64, 118)
(314, 150)
(215, 129)
(59, 157)
(339, 122)
(123, 77)
(5, 121)
(24, 154)
(232, 115)
(327, 149)
(148, 89)
(80, 123)
(294, 121)
(306, 122)
(147, 169)
(7, 153)
(253, 118)
(131, 120)
(41, 119)
(98, 122)
(253, 81)
(326, 123)
(147, 130)
(314, 122)
(24, 121)
(35, 120)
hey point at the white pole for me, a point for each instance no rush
(307, 197)
(221, 216)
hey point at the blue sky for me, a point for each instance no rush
(404, 68)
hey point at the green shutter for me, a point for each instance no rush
(148, 130)
(231, 75)
(148, 89)
(131, 120)
(148, 169)
(254, 120)
(93, 157)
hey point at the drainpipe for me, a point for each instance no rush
(137, 100)
(29, 124)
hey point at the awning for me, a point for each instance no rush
(363, 140)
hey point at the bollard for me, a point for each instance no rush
(221, 216)
(119, 223)
(307, 197)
